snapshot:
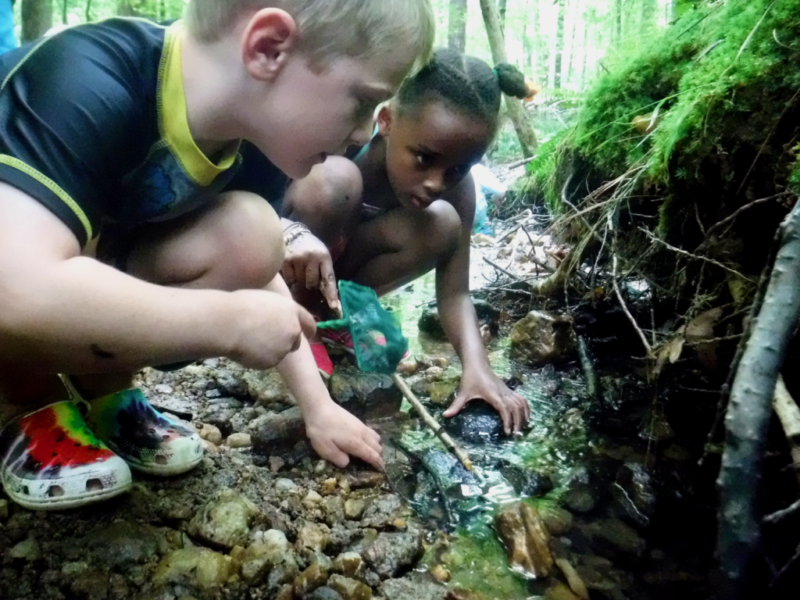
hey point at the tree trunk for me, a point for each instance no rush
(126, 9)
(37, 18)
(501, 9)
(748, 419)
(457, 25)
(649, 16)
(491, 18)
(559, 48)
(88, 11)
(64, 5)
(616, 26)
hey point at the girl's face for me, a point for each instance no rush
(430, 150)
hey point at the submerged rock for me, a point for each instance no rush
(527, 482)
(526, 539)
(476, 423)
(634, 494)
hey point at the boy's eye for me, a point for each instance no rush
(458, 173)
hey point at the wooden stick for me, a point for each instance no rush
(432, 423)
(789, 415)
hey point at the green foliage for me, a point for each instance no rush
(543, 174)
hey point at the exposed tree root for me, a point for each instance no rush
(748, 416)
(789, 415)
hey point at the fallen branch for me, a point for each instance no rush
(432, 423)
(780, 515)
(789, 415)
(748, 417)
(519, 163)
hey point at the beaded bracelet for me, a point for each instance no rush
(292, 232)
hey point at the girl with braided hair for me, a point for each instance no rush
(405, 205)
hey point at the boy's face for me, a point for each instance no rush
(314, 112)
(430, 150)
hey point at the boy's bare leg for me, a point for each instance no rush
(236, 243)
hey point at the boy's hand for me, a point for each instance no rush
(270, 326)
(487, 386)
(335, 434)
(308, 263)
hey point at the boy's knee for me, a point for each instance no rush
(249, 240)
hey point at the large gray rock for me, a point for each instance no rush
(412, 588)
(393, 553)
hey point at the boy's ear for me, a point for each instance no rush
(267, 42)
(385, 119)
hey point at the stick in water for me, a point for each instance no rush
(432, 423)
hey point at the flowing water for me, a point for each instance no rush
(561, 448)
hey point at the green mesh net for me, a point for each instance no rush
(378, 341)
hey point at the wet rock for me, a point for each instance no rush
(580, 498)
(349, 589)
(312, 499)
(367, 395)
(560, 592)
(312, 537)
(526, 539)
(440, 386)
(557, 520)
(283, 573)
(278, 431)
(265, 387)
(123, 544)
(527, 482)
(286, 592)
(27, 550)
(450, 474)
(543, 338)
(276, 463)
(476, 423)
(616, 536)
(333, 509)
(328, 486)
(656, 428)
(634, 494)
(325, 593)
(194, 567)
(365, 479)
(354, 508)
(408, 366)
(440, 573)
(3, 509)
(220, 413)
(383, 511)
(261, 556)
(90, 585)
(239, 440)
(310, 579)
(462, 594)
(349, 564)
(412, 588)
(224, 521)
(393, 553)
(573, 579)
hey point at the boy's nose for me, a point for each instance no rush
(434, 184)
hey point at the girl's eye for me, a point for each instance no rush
(423, 160)
(458, 173)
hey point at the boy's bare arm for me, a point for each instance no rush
(67, 313)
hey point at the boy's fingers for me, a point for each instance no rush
(336, 456)
(312, 275)
(288, 273)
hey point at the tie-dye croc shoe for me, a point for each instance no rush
(147, 440)
(50, 460)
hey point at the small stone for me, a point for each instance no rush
(211, 433)
(366, 479)
(27, 549)
(440, 574)
(344, 485)
(324, 593)
(310, 579)
(286, 485)
(198, 567)
(285, 593)
(354, 508)
(276, 463)
(560, 592)
(399, 524)
(239, 440)
(328, 486)
(349, 589)
(312, 499)
(312, 537)
(348, 564)
(320, 466)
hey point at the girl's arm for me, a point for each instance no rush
(460, 323)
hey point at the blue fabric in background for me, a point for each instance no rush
(8, 40)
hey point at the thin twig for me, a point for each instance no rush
(786, 567)
(727, 338)
(739, 211)
(696, 257)
(502, 270)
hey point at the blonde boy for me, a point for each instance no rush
(127, 133)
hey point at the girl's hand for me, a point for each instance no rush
(308, 263)
(335, 434)
(487, 386)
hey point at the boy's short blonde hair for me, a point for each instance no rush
(330, 28)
